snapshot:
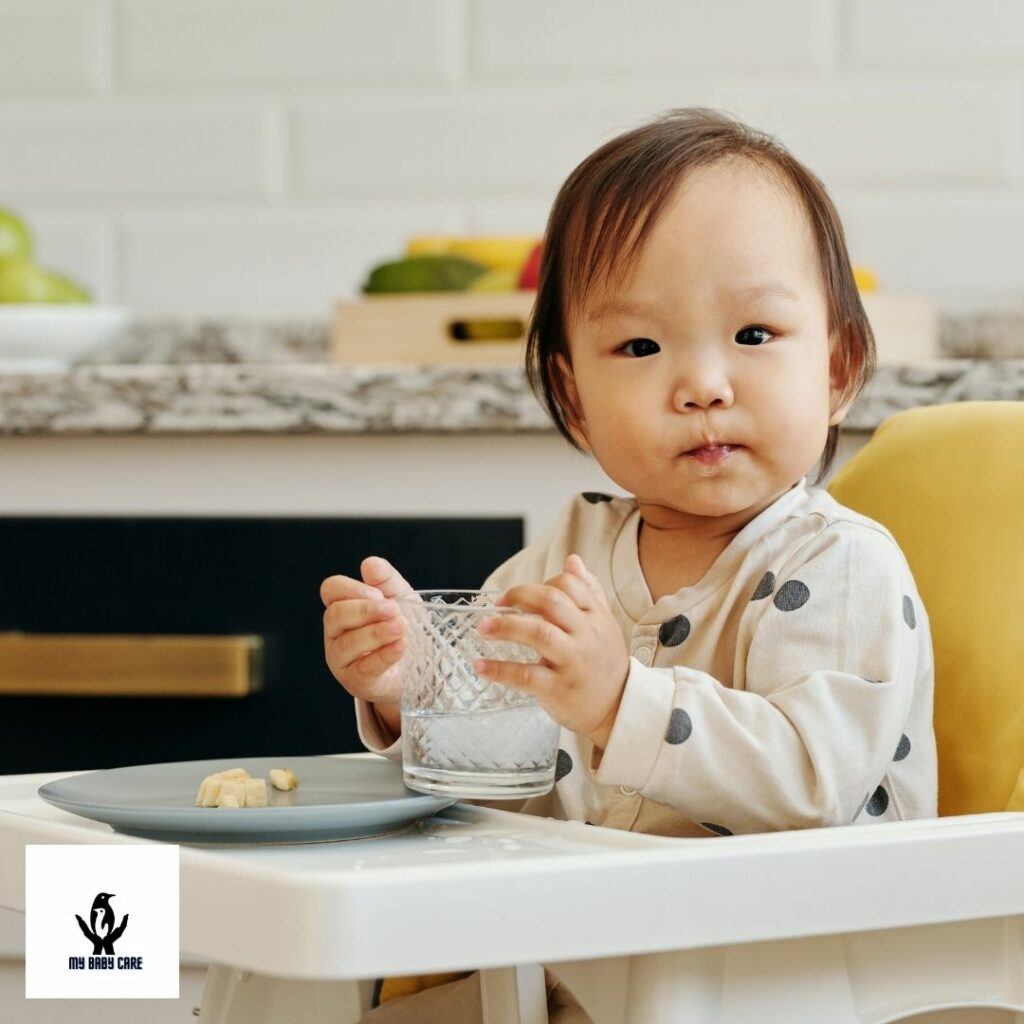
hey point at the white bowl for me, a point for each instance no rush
(56, 333)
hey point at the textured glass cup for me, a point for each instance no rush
(464, 735)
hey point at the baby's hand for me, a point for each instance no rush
(583, 657)
(364, 632)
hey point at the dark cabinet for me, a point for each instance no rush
(208, 576)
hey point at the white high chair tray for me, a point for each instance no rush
(473, 887)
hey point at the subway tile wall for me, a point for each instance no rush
(258, 156)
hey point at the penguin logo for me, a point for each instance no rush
(101, 931)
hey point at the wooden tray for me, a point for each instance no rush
(438, 327)
(452, 327)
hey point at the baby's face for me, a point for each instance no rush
(686, 348)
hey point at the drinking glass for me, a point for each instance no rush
(464, 735)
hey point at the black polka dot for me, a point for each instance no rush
(563, 765)
(674, 631)
(679, 726)
(588, 823)
(765, 587)
(720, 829)
(879, 801)
(792, 595)
(595, 496)
(863, 804)
(908, 612)
(903, 749)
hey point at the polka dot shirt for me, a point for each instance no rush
(790, 687)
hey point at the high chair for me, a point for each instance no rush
(862, 924)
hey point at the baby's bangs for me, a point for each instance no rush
(605, 232)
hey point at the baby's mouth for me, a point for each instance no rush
(712, 453)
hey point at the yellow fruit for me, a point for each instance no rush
(498, 252)
(21, 281)
(867, 280)
(508, 253)
(15, 239)
(428, 245)
(504, 280)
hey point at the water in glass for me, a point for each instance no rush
(464, 735)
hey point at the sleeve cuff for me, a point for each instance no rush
(375, 735)
(639, 728)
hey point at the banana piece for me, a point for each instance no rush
(283, 778)
(232, 787)
(255, 792)
(209, 790)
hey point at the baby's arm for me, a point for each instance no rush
(829, 677)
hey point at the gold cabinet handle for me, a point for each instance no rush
(129, 665)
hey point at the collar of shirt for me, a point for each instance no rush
(628, 579)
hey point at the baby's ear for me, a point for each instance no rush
(839, 372)
(574, 413)
(838, 412)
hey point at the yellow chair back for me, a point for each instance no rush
(948, 483)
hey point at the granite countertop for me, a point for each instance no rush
(188, 376)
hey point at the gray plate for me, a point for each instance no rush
(336, 798)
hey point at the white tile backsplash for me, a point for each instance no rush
(49, 46)
(76, 244)
(948, 34)
(478, 142)
(961, 244)
(132, 148)
(609, 39)
(259, 155)
(244, 44)
(253, 260)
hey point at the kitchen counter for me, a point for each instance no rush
(187, 376)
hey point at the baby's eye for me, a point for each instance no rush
(746, 332)
(640, 341)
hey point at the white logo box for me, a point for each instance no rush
(101, 922)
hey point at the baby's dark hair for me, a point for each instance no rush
(613, 199)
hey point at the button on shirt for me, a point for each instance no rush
(790, 687)
(643, 654)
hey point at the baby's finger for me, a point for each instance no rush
(352, 644)
(520, 675)
(340, 588)
(577, 586)
(375, 663)
(550, 642)
(354, 612)
(557, 600)
(576, 564)
(382, 575)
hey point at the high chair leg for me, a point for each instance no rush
(514, 995)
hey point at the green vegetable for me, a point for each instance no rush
(428, 273)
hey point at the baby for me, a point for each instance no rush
(727, 649)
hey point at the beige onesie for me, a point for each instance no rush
(791, 687)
